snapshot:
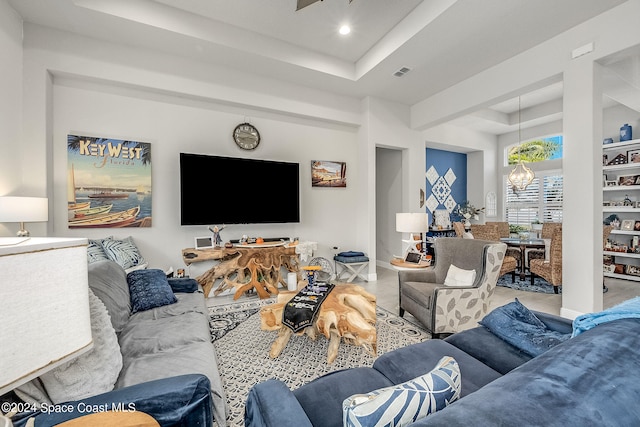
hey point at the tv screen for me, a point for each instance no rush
(230, 190)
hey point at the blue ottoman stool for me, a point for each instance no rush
(351, 264)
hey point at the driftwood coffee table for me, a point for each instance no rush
(347, 314)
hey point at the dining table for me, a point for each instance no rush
(523, 245)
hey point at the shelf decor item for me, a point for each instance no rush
(627, 224)
(620, 159)
(633, 156)
(625, 132)
(632, 270)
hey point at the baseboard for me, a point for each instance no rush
(569, 314)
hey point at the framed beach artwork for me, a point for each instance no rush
(328, 174)
(108, 182)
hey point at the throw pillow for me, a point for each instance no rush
(459, 277)
(95, 252)
(405, 403)
(124, 252)
(149, 289)
(91, 373)
(517, 325)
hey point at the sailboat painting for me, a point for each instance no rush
(108, 182)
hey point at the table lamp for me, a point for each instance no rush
(415, 224)
(24, 209)
(44, 308)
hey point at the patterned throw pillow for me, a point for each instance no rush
(149, 289)
(95, 252)
(123, 252)
(405, 403)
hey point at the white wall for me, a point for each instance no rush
(130, 94)
(387, 126)
(388, 202)
(10, 106)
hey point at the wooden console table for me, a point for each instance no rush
(244, 268)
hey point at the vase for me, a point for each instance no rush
(467, 224)
(625, 132)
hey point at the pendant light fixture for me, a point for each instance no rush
(521, 176)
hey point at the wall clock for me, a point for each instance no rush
(246, 136)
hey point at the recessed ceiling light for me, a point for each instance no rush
(344, 30)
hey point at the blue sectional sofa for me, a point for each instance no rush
(591, 379)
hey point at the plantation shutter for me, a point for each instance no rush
(543, 204)
(552, 199)
(522, 207)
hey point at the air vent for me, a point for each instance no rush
(402, 71)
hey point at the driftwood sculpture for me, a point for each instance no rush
(244, 269)
(347, 314)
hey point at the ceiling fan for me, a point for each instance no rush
(305, 3)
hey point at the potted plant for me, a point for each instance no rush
(536, 224)
(467, 211)
(516, 229)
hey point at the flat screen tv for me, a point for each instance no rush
(230, 190)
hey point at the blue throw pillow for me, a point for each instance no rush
(517, 325)
(149, 289)
(351, 253)
(183, 284)
(404, 404)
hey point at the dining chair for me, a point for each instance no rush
(548, 229)
(459, 228)
(504, 232)
(490, 232)
(550, 270)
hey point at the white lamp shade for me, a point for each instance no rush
(412, 222)
(44, 307)
(24, 209)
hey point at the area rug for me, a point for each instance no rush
(539, 284)
(243, 351)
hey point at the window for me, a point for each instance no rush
(542, 200)
(534, 151)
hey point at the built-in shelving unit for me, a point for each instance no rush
(621, 197)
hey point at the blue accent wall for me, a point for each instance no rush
(446, 179)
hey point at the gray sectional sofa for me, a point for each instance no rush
(591, 379)
(167, 354)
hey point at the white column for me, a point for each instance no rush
(582, 170)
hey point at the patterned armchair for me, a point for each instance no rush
(550, 270)
(446, 309)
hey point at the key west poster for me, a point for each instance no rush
(109, 182)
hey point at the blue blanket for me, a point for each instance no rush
(625, 310)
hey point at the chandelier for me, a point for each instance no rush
(304, 3)
(521, 176)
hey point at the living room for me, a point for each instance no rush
(179, 105)
(59, 82)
